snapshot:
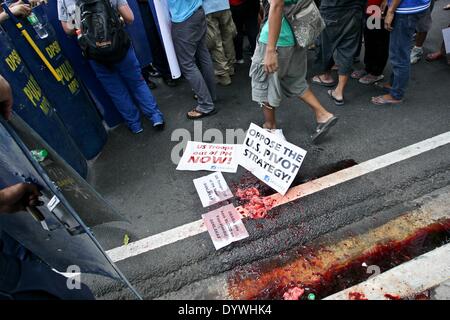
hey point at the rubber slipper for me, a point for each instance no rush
(320, 82)
(380, 101)
(323, 128)
(201, 114)
(358, 74)
(338, 102)
(369, 79)
(434, 56)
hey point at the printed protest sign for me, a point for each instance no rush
(210, 157)
(212, 189)
(270, 158)
(224, 226)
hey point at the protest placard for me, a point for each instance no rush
(224, 226)
(270, 158)
(210, 157)
(212, 189)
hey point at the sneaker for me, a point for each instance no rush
(159, 125)
(416, 54)
(140, 130)
(240, 61)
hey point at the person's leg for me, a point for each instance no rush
(215, 46)
(423, 26)
(345, 51)
(399, 55)
(128, 69)
(160, 61)
(185, 39)
(228, 32)
(238, 14)
(118, 91)
(251, 23)
(324, 58)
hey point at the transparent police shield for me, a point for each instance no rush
(71, 207)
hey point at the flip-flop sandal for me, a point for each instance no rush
(338, 102)
(323, 128)
(358, 74)
(320, 82)
(447, 7)
(380, 101)
(201, 114)
(369, 79)
(434, 56)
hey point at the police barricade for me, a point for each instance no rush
(72, 51)
(62, 235)
(33, 107)
(41, 52)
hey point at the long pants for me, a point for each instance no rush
(124, 83)
(399, 51)
(159, 55)
(219, 39)
(245, 17)
(376, 44)
(189, 39)
(340, 39)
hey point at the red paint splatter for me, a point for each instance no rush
(256, 205)
(392, 296)
(294, 293)
(356, 296)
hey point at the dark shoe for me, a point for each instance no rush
(322, 128)
(152, 85)
(170, 82)
(338, 102)
(159, 126)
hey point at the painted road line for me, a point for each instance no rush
(303, 190)
(406, 280)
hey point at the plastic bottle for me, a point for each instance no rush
(39, 155)
(37, 26)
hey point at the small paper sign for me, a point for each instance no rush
(270, 158)
(212, 189)
(210, 157)
(224, 226)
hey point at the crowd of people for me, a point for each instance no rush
(208, 37)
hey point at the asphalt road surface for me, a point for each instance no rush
(136, 174)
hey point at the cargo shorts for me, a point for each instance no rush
(289, 81)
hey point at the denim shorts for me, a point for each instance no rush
(288, 81)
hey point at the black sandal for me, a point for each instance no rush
(201, 114)
(322, 128)
(338, 102)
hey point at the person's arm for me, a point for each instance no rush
(6, 99)
(126, 13)
(275, 18)
(19, 9)
(18, 197)
(389, 19)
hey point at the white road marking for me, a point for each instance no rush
(405, 280)
(308, 188)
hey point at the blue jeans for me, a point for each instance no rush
(124, 83)
(400, 50)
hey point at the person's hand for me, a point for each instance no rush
(6, 99)
(271, 61)
(18, 197)
(388, 20)
(20, 9)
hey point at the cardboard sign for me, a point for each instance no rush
(212, 189)
(270, 158)
(224, 226)
(210, 157)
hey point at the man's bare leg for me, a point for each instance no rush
(269, 116)
(338, 92)
(322, 115)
